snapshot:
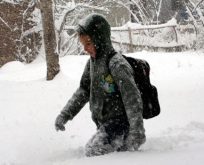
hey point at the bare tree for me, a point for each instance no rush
(52, 57)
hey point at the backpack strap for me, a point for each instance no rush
(113, 53)
(110, 56)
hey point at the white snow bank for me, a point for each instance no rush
(14, 66)
(12, 1)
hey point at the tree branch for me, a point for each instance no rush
(7, 25)
(198, 5)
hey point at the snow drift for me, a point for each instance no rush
(29, 105)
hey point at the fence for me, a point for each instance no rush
(135, 37)
(153, 37)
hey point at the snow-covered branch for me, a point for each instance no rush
(31, 31)
(7, 25)
(12, 1)
(159, 10)
(125, 5)
(70, 10)
(62, 21)
(30, 5)
(143, 15)
(198, 4)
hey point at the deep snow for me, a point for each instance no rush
(29, 105)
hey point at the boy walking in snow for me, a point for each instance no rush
(108, 85)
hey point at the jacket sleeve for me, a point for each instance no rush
(123, 76)
(80, 97)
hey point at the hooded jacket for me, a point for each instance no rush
(107, 82)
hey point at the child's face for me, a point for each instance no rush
(88, 45)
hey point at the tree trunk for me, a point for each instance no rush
(52, 58)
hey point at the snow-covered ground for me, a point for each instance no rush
(29, 105)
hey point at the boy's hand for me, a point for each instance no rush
(60, 122)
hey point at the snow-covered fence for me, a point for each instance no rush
(131, 37)
(134, 37)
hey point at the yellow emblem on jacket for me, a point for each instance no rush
(107, 84)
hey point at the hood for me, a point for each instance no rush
(99, 30)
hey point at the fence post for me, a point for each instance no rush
(174, 28)
(130, 38)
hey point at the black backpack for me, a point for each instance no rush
(151, 107)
